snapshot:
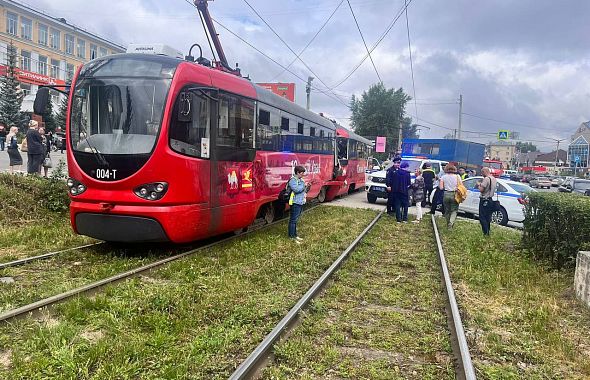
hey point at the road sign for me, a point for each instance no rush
(577, 159)
(503, 134)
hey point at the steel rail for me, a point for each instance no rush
(466, 366)
(44, 256)
(50, 301)
(254, 360)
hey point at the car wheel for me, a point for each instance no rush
(371, 198)
(500, 217)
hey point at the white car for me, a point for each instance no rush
(375, 184)
(511, 194)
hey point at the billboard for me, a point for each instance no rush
(286, 90)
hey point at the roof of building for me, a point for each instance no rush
(550, 157)
(60, 21)
(583, 130)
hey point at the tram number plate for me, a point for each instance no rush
(106, 174)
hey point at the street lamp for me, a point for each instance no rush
(420, 125)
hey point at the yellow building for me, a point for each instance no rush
(503, 151)
(49, 49)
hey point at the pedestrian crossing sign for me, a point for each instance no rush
(503, 134)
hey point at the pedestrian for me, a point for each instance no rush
(400, 186)
(298, 189)
(46, 163)
(487, 188)
(62, 144)
(35, 149)
(418, 194)
(463, 174)
(389, 183)
(13, 153)
(429, 176)
(449, 182)
(3, 134)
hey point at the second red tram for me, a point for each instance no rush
(161, 149)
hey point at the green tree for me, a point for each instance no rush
(48, 117)
(11, 96)
(378, 113)
(525, 147)
(62, 112)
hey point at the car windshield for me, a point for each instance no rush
(522, 189)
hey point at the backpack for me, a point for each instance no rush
(461, 192)
(285, 194)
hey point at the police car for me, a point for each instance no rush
(511, 195)
(375, 184)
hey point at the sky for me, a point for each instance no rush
(524, 64)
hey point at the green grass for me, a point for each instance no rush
(194, 319)
(522, 319)
(381, 318)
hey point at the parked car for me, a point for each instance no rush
(576, 186)
(511, 195)
(516, 177)
(557, 181)
(540, 182)
(375, 184)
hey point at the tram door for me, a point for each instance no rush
(233, 171)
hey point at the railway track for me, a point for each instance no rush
(44, 256)
(253, 365)
(97, 286)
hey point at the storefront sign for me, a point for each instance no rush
(32, 78)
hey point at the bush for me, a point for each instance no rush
(25, 199)
(557, 226)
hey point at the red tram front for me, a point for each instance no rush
(166, 150)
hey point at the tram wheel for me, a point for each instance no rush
(269, 213)
(322, 194)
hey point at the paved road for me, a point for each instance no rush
(4, 161)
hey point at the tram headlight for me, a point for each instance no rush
(151, 191)
(76, 188)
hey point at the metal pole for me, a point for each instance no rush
(460, 113)
(308, 91)
(399, 142)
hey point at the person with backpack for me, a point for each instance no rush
(298, 191)
(12, 149)
(429, 176)
(487, 188)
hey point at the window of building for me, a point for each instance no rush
(69, 44)
(25, 88)
(70, 72)
(285, 123)
(81, 52)
(26, 28)
(54, 96)
(11, 23)
(42, 67)
(93, 51)
(300, 128)
(191, 132)
(102, 52)
(54, 39)
(25, 60)
(236, 122)
(54, 68)
(43, 32)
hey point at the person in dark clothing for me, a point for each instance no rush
(35, 148)
(400, 185)
(389, 183)
(429, 175)
(3, 133)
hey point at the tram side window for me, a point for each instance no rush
(236, 122)
(300, 128)
(190, 126)
(352, 152)
(285, 123)
(342, 148)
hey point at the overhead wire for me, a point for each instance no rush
(375, 45)
(411, 61)
(506, 122)
(289, 47)
(310, 41)
(364, 42)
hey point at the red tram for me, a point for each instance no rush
(161, 149)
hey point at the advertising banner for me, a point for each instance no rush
(380, 144)
(286, 90)
(32, 78)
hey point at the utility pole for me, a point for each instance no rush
(308, 91)
(460, 113)
(557, 153)
(399, 142)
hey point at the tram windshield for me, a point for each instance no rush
(117, 109)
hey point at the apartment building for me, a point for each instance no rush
(49, 49)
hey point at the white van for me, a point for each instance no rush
(375, 184)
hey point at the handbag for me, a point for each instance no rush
(47, 162)
(461, 192)
(24, 145)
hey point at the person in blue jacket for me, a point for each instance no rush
(400, 186)
(298, 189)
(389, 183)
